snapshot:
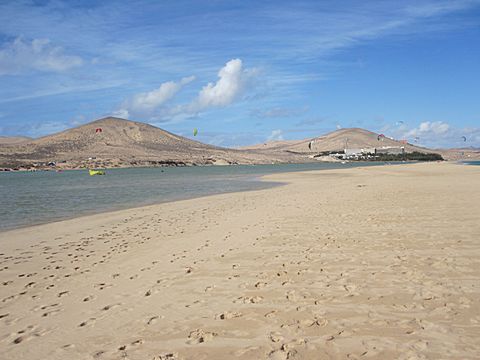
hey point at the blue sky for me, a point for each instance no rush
(244, 72)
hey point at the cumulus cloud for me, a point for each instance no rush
(149, 102)
(226, 89)
(275, 135)
(427, 132)
(435, 134)
(22, 56)
(233, 81)
(427, 127)
(231, 85)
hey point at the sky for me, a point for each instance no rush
(244, 72)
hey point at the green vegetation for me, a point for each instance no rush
(415, 156)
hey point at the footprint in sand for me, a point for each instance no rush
(101, 286)
(88, 322)
(137, 342)
(270, 314)
(260, 284)
(291, 295)
(209, 288)
(108, 307)
(88, 298)
(50, 312)
(287, 350)
(199, 336)
(98, 354)
(152, 320)
(249, 299)
(29, 333)
(167, 356)
(9, 298)
(275, 337)
(228, 315)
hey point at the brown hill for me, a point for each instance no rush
(352, 138)
(459, 154)
(115, 142)
(355, 138)
(6, 140)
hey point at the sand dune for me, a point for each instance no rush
(365, 263)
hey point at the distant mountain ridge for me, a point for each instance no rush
(113, 142)
(352, 138)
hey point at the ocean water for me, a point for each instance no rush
(30, 198)
(473, 162)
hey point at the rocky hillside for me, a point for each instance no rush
(114, 142)
(353, 138)
(5, 140)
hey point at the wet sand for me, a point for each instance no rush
(364, 263)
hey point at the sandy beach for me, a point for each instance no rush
(364, 263)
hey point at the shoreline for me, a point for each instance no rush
(376, 262)
(127, 208)
(248, 177)
(186, 165)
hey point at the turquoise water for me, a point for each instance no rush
(472, 162)
(38, 197)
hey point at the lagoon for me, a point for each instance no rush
(30, 198)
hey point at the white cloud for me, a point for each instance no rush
(435, 134)
(275, 135)
(226, 89)
(22, 56)
(429, 128)
(231, 85)
(149, 102)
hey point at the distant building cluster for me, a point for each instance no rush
(368, 153)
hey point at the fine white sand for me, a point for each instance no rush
(365, 263)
